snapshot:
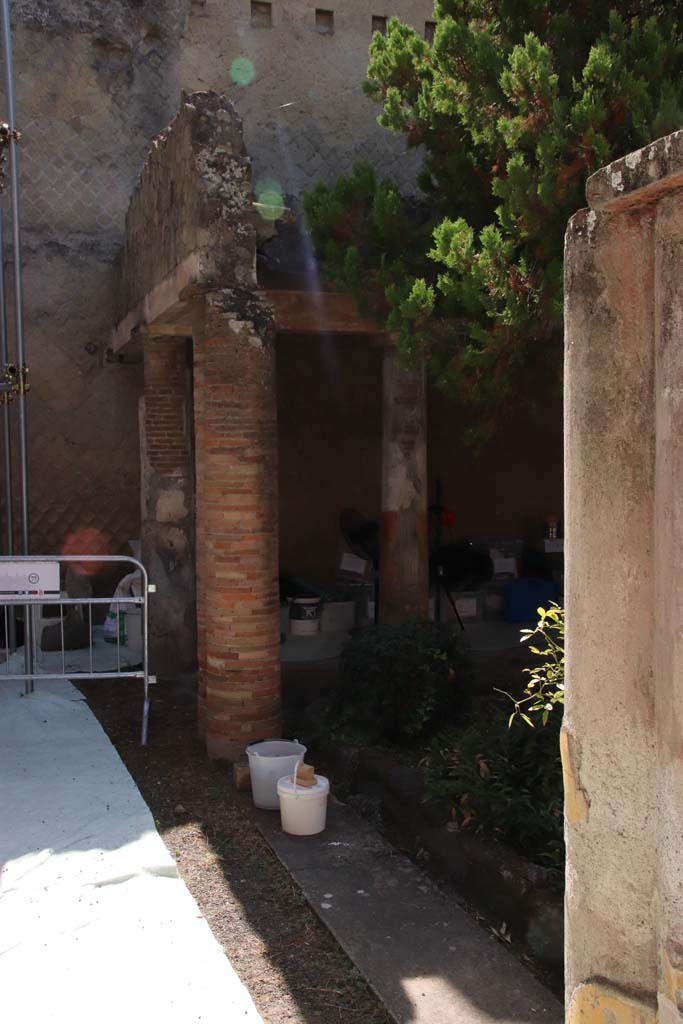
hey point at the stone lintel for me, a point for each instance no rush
(640, 177)
(162, 306)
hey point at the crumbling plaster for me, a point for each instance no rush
(95, 82)
(624, 601)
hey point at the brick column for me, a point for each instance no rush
(237, 529)
(404, 554)
(167, 494)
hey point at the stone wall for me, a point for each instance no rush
(168, 502)
(623, 726)
(190, 220)
(208, 422)
(95, 82)
(305, 116)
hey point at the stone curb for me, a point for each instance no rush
(494, 879)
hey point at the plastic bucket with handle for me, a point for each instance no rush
(304, 615)
(269, 760)
(303, 811)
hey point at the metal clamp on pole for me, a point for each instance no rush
(9, 382)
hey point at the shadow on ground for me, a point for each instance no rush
(293, 967)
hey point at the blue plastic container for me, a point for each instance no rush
(524, 597)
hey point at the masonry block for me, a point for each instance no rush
(167, 491)
(237, 525)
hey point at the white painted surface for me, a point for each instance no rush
(106, 657)
(20, 577)
(95, 923)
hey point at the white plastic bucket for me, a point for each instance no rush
(303, 811)
(269, 760)
(304, 615)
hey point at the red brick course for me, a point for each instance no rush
(167, 492)
(237, 533)
(165, 421)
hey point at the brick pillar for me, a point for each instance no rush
(167, 494)
(237, 532)
(404, 554)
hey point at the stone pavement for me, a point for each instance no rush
(95, 923)
(426, 958)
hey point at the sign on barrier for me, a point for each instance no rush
(77, 647)
(17, 576)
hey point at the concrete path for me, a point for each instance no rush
(427, 959)
(95, 924)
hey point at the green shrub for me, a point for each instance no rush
(505, 781)
(399, 682)
(502, 778)
(544, 693)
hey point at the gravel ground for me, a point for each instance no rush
(292, 966)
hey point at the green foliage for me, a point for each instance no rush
(504, 779)
(513, 106)
(544, 692)
(504, 782)
(399, 682)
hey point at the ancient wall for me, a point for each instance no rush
(305, 116)
(190, 221)
(95, 82)
(623, 725)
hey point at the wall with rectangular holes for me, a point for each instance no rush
(95, 83)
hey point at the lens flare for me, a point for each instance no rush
(86, 541)
(242, 71)
(270, 200)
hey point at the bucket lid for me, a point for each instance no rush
(276, 748)
(285, 786)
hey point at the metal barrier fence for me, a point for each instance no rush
(32, 583)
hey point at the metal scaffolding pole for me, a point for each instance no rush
(11, 623)
(20, 346)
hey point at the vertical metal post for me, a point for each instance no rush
(18, 314)
(10, 620)
(145, 654)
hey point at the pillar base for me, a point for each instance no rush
(223, 748)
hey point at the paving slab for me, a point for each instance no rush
(95, 922)
(425, 956)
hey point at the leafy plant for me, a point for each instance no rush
(513, 105)
(399, 682)
(505, 782)
(545, 690)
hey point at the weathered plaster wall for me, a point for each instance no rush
(305, 117)
(190, 225)
(96, 81)
(623, 724)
